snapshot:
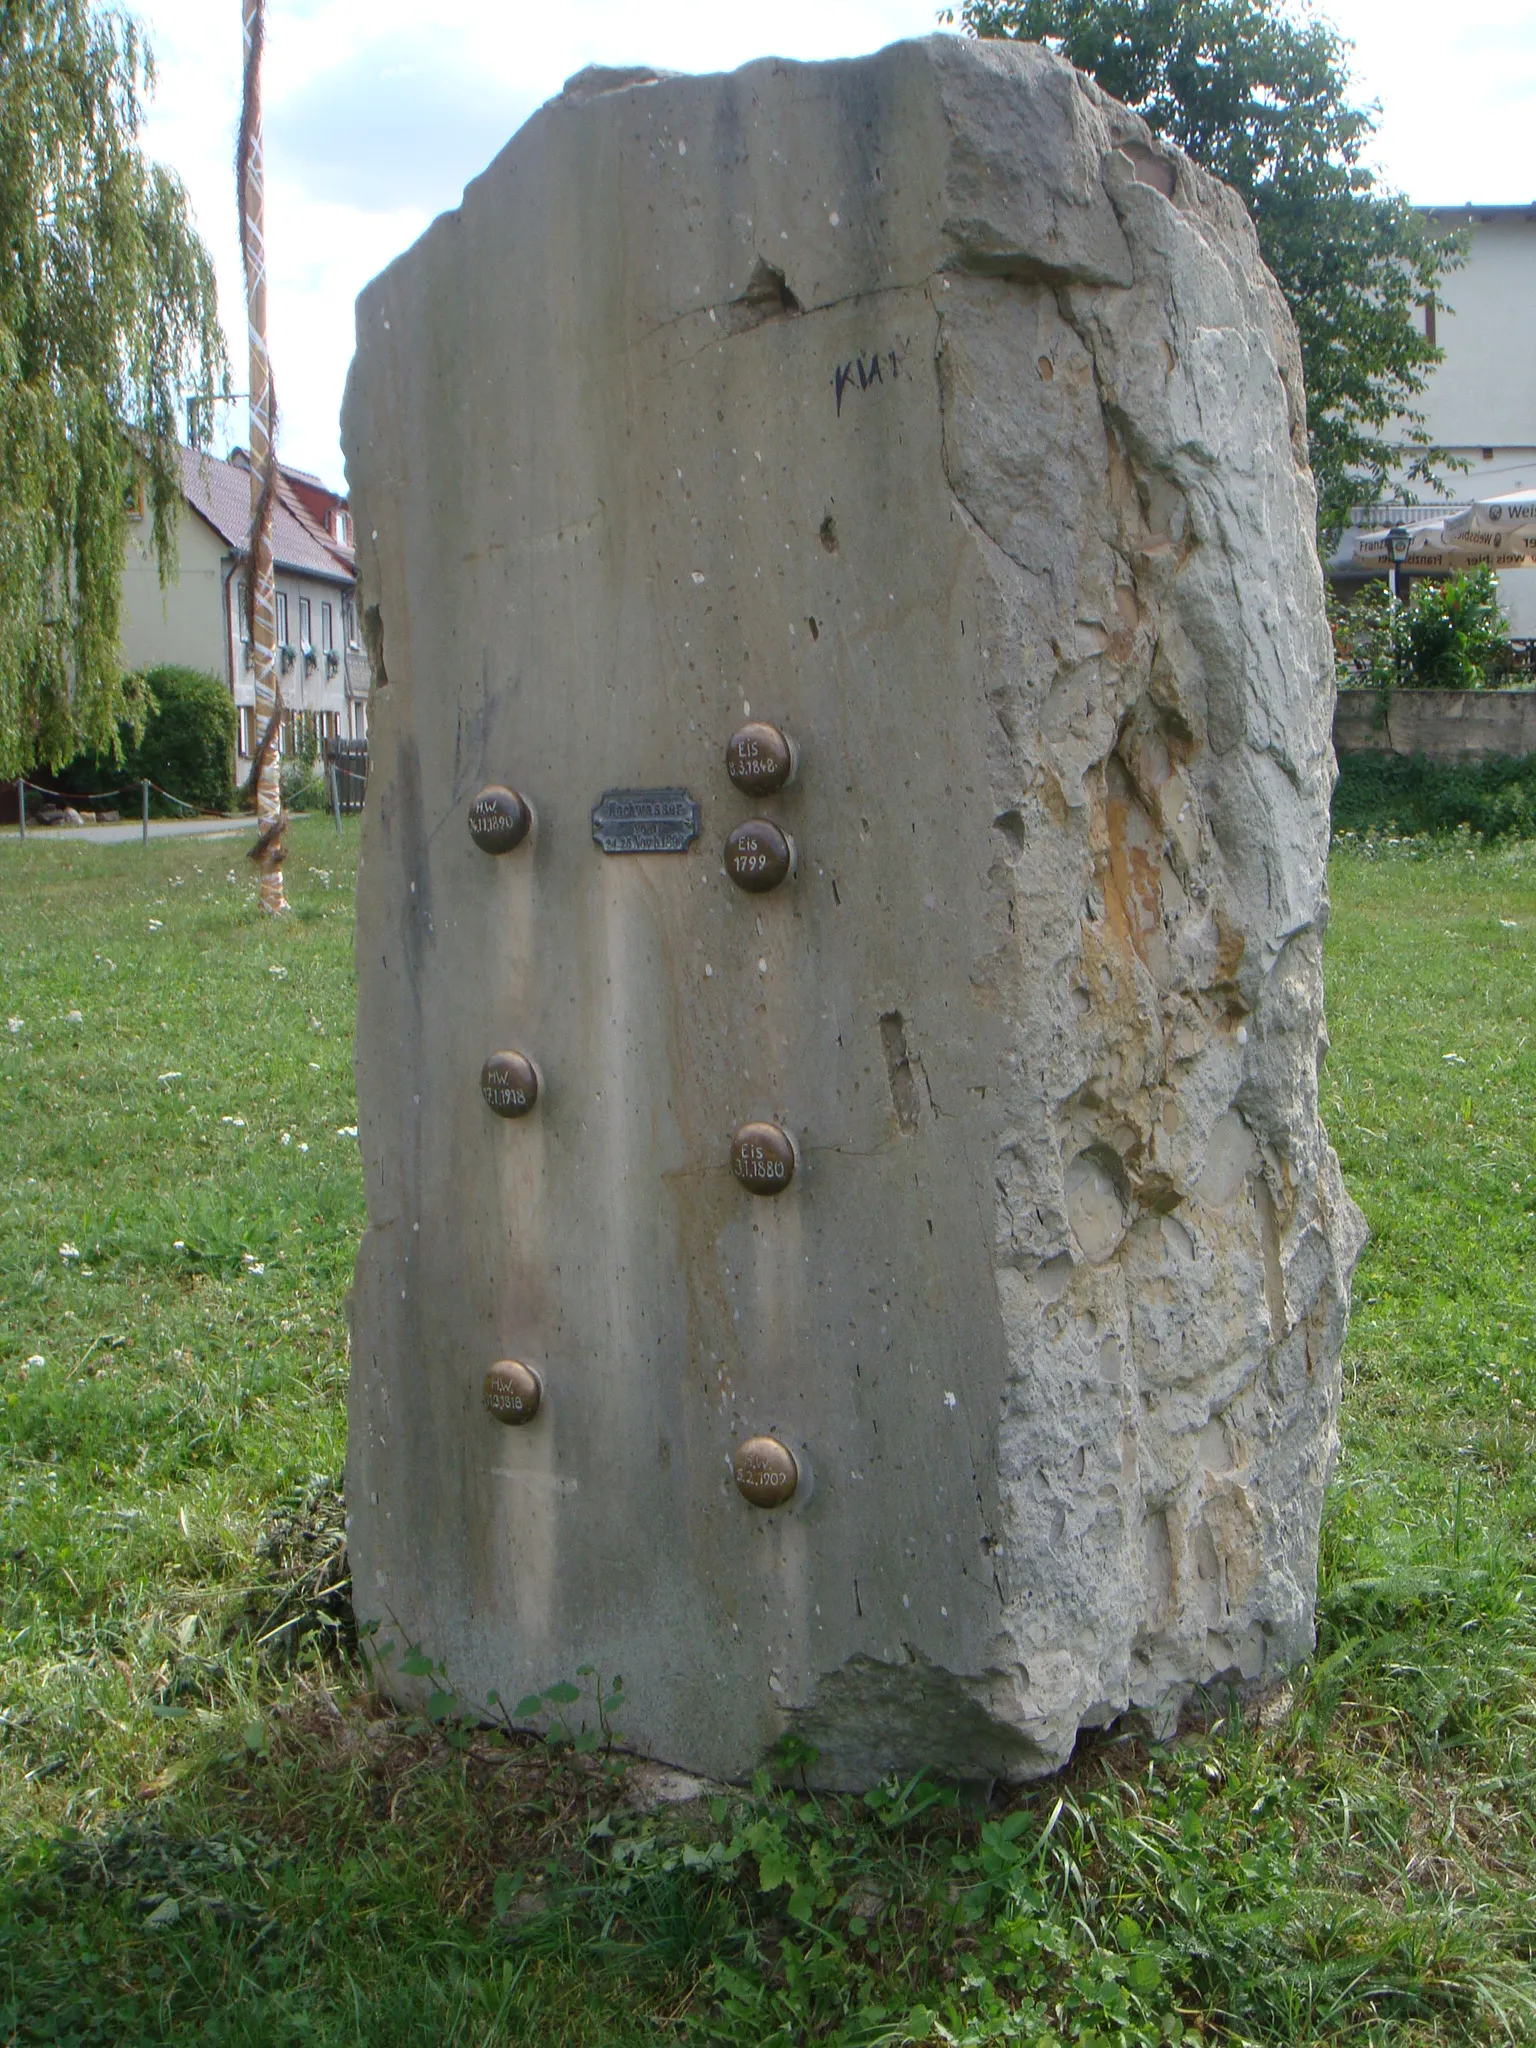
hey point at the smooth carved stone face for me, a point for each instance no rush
(763, 1158)
(509, 1081)
(512, 1391)
(760, 759)
(766, 1472)
(499, 819)
(758, 856)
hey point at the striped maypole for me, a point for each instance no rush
(260, 600)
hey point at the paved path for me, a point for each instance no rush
(121, 835)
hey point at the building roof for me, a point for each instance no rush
(305, 476)
(220, 493)
(1473, 209)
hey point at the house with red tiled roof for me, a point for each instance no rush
(197, 619)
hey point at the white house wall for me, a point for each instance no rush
(1484, 394)
(183, 623)
(1479, 404)
(303, 690)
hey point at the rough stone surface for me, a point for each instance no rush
(1442, 725)
(925, 405)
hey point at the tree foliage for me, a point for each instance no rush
(1258, 92)
(108, 312)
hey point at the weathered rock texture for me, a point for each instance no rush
(928, 406)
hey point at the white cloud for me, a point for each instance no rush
(1457, 88)
(379, 111)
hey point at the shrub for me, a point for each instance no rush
(1363, 645)
(188, 745)
(1458, 636)
(1448, 636)
(1410, 796)
(303, 789)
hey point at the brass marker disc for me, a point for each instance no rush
(499, 819)
(512, 1391)
(760, 758)
(766, 1472)
(509, 1081)
(758, 856)
(763, 1158)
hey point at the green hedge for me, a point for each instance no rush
(188, 746)
(1406, 795)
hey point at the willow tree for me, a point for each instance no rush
(108, 314)
(1259, 92)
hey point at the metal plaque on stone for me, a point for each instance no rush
(646, 821)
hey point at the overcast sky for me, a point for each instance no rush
(379, 111)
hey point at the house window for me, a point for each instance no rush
(306, 637)
(247, 730)
(357, 720)
(1429, 322)
(282, 618)
(327, 629)
(349, 620)
(343, 528)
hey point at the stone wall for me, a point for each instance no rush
(1442, 725)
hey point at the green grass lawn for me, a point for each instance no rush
(211, 1831)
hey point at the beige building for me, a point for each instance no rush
(198, 618)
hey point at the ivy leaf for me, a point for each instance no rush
(563, 1694)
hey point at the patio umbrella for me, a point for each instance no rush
(1434, 548)
(1490, 521)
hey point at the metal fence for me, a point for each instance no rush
(346, 765)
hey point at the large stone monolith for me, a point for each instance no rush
(928, 410)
